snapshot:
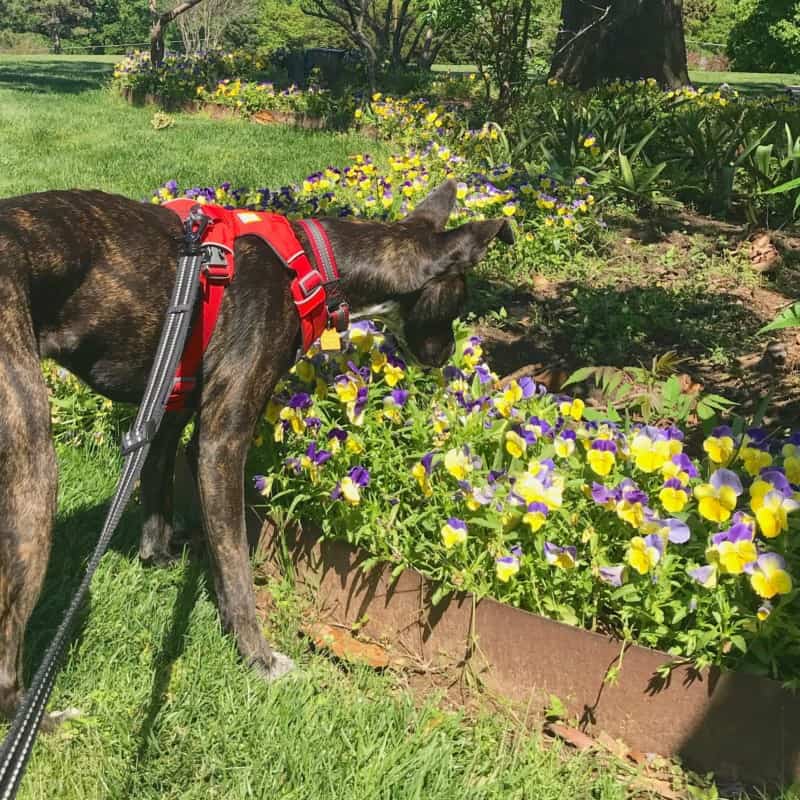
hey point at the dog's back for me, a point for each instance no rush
(78, 271)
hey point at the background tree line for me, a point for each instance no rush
(576, 39)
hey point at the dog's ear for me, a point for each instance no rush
(467, 244)
(436, 208)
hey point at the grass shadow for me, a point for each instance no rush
(54, 77)
(74, 538)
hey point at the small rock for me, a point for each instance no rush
(764, 256)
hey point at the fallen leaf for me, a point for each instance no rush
(573, 737)
(342, 644)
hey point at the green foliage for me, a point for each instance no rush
(283, 24)
(652, 394)
(80, 417)
(121, 22)
(788, 318)
(766, 36)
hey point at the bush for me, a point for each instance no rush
(766, 36)
(12, 42)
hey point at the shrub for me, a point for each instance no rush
(766, 36)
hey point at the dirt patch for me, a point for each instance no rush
(690, 284)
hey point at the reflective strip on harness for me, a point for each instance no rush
(308, 288)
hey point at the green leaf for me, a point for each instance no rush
(784, 187)
(788, 318)
(579, 375)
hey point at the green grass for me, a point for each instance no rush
(172, 713)
(749, 82)
(60, 128)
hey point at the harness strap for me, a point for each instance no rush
(338, 309)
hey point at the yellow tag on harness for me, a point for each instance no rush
(249, 216)
(330, 340)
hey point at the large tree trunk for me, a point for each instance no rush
(625, 39)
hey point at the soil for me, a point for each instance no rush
(691, 284)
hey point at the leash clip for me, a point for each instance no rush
(193, 230)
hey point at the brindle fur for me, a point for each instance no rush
(85, 278)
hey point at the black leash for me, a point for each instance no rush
(19, 741)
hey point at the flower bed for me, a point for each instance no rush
(253, 98)
(175, 81)
(511, 492)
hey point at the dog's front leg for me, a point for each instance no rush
(221, 460)
(156, 491)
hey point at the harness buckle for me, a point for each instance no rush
(310, 283)
(215, 264)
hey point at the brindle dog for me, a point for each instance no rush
(85, 279)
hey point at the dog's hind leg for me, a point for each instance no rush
(28, 496)
(157, 546)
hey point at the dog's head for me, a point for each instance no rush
(417, 281)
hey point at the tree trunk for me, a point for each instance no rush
(157, 43)
(625, 39)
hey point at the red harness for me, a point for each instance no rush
(317, 309)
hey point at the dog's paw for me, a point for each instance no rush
(278, 666)
(54, 719)
(166, 554)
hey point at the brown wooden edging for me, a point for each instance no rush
(738, 726)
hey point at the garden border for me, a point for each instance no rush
(742, 727)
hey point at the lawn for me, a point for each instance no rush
(61, 128)
(170, 712)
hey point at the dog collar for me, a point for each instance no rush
(315, 290)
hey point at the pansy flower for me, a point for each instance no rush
(769, 576)
(650, 449)
(564, 443)
(349, 487)
(506, 567)
(394, 370)
(454, 532)
(645, 552)
(673, 495)
(755, 458)
(458, 462)
(573, 408)
(772, 514)
(602, 456)
(612, 575)
(680, 466)
(336, 438)
(515, 444)
(720, 445)
(535, 516)
(732, 550)
(562, 557)
(422, 471)
(706, 575)
(717, 498)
